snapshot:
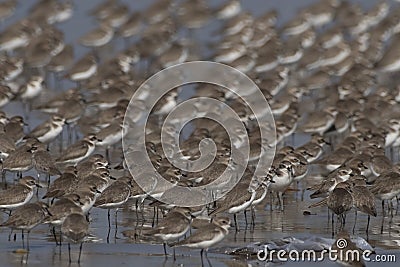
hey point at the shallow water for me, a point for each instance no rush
(269, 224)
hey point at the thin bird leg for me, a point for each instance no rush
(9, 236)
(108, 216)
(234, 218)
(165, 250)
(69, 252)
(80, 252)
(27, 240)
(54, 234)
(201, 256)
(208, 260)
(23, 239)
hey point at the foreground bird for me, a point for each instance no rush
(114, 196)
(172, 227)
(75, 228)
(207, 236)
(27, 217)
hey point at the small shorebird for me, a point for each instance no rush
(363, 199)
(62, 185)
(340, 201)
(283, 178)
(62, 61)
(75, 228)
(335, 159)
(43, 161)
(32, 88)
(99, 178)
(386, 187)
(320, 121)
(97, 37)
(5, 95)
(19, 194)
(61, 209)
(313, 149)
(236, 200)
(207, 236)
(326, 186)
(132, 26)
(114, 196)
(48, 130)
(92, 163)
(7, 145)
(111, 135)
(174, 225)
(78, 151)
(27, 217)
(228, 10)
(15, 128)
(20, 160)
(83, 69)
(390, 60)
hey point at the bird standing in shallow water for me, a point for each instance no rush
(172, 227)
(75, 228)
(207, 236)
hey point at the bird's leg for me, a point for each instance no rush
(116, 223)
(108, 154)
(69, 252)
(9, 236)
(208, 260)
(165, 250)
(201, 256)
(355, 221)
(280, 197)
(27, 240)
(108, 217)
(80, 252)
(383, 208)
(54, 234)
(234, 218)
(23, 239)
(391, 208)
(253, 217)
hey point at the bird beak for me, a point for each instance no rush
(113, 178)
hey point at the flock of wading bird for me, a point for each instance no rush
(329, 73)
